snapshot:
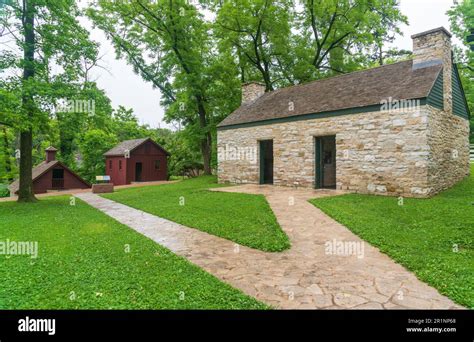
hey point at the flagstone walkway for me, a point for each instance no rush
(303, 277)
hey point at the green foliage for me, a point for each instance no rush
(169, 43)
(281, 44)
(61, 45)
(4, 192)
(83, 263)
(431, 237)
(258, 32)
(217, 213)
(92, 147)
(8, 163)
(352, 28)
(184, 155)
(47, 50)
(125, 125)
(461, 17)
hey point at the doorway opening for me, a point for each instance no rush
(266, 162)
(138, 172)
(58, 179)
(325, 162)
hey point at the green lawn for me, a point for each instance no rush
(434, 237)
(87, 260)
(242, 218)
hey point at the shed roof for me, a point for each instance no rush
(129, 146)
(399, 81)
(40, 170)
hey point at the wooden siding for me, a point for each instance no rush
(118, 176)
(146, 154)
(460, 107)
(435, 98)
(44, 183)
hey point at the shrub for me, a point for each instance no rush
(4, 192)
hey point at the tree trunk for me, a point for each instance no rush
(206, 145)
(25, 192)
(206, 142)
(380, 55)
(6, 154)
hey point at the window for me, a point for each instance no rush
(110, 164)
(120, 165)
(157, 164)
(58, 173)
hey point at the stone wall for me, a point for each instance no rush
(448, 138)
(376, 152)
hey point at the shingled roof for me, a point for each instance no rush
(129, 146)
(40, 170)
(37, 171)
(400, 81)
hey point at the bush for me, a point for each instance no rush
(4, 192)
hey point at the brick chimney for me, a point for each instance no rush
(431, 48)
(51, 154)
(252, 91)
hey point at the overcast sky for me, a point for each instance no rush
(125, 88)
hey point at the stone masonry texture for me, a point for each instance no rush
(408, 154)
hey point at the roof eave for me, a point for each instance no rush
(133, 149)
(309, 116)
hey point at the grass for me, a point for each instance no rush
(87, 260)
(434, 237)
(242, 218)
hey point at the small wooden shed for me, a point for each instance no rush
(52, 175)
(138, 160)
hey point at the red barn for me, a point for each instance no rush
(51, 174)
(138, 160)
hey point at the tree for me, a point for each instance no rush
(350, 27)
(170, 44)
(46, 34)
(259, 33)
(390, 18)
(125, 125)
(184, 157)
(92, 146)
(280, 44)
(461, 16)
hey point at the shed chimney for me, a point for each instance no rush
(431, 48)
(51, 154)
(252, 91)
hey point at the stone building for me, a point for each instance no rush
(399, 129)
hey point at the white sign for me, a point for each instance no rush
(102, 178)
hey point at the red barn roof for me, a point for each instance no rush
(129, 146)
(41, 169)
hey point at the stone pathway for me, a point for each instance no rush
(303, 277)
(78, 191)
